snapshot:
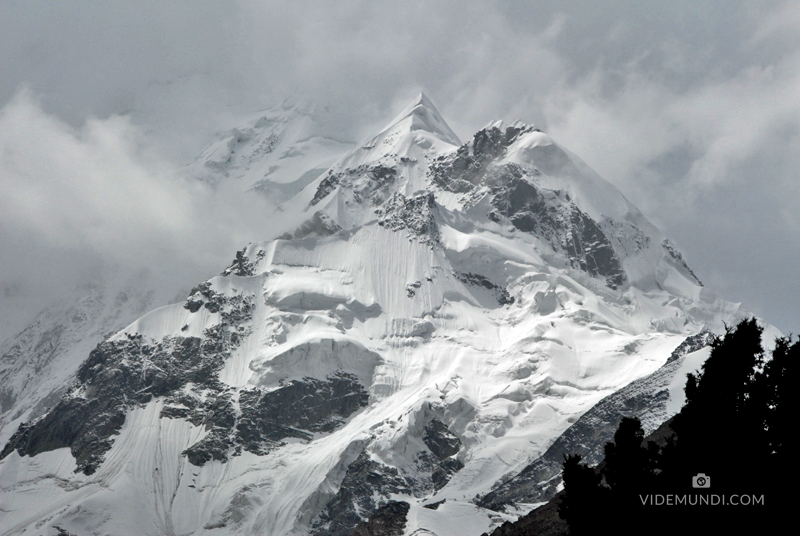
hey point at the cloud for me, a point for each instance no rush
(78, 200)
(689, 107)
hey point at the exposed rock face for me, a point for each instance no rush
(676, 255)
(118, 374)
(501, 295)
(515, 198)
(369, 184)
(551, 216)
(645, 398)
(470, 166)
(320, 224)
(123, 373)
(444, 445)
(204, 296)
(298, 409)
(369, 484)
(414, 214)
(241, 265)
(440, 440)
(388, 520)
(366, 483)
(38, 364)
(259, 422)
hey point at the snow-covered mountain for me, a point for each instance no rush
(439, 314)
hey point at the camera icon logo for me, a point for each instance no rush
(701, 481)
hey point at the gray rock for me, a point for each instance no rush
(368, 483)
(414, 214)
(298, 409)
(388, 520)
(365, 483)
(375, 190)
(476, 280)
(516, 199)
(678, 258)
(241, 265)
(121, 374)
(320, 224)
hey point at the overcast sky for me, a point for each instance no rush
(691, 108)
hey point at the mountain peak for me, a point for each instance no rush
(421, 100)
(424, 116)
(395, 161)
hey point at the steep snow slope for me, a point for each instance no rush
(441, 314)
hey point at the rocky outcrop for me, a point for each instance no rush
(670, 248)
(259, 421)
(516, 199)
(470, 165)
(414, 214)
(369, 484)
(366, 486)
(320, 224)
(368, 183)
(130, 371)
(242, 265)
(388, 520)
(444, 445)
(476, 280)
(203, 296)
(38, 365)
(298, 409)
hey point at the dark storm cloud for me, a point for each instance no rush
(691, 108)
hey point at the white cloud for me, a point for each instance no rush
(75, 199)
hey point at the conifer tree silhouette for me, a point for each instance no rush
(628, 469)
(585, 501)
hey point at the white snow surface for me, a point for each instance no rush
(388, 307)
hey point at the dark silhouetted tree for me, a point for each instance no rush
(585, 500)
(722, 421)
(781, 378)
(628, 469)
